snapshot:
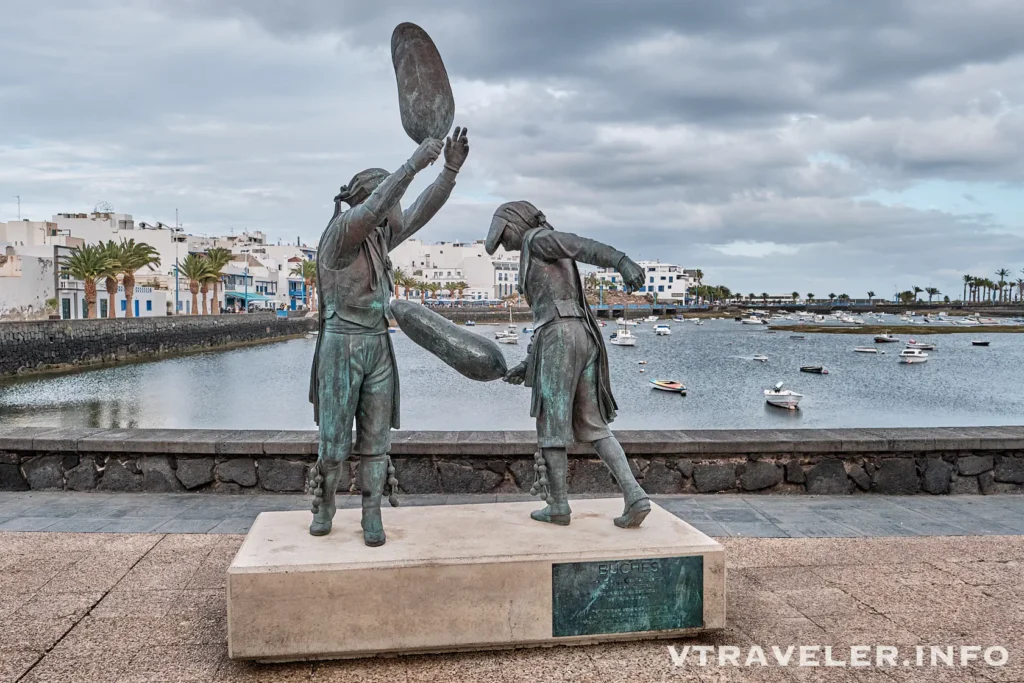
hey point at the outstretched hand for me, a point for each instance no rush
(516, 375)
(632, 274)
(456, 148)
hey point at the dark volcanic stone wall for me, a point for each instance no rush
(840, 461)
(54, 344)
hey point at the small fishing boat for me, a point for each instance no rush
(507, 338)
(392, 330)
(885, 338)
(814, 369)
(678, 319)
(782, 398)
(668, 385)
(623, 337)
(652, 318)
(797, 337)
(470, 323)
(979, 342)
(761, 358)
(642, 362)
(662, 330)
(529, 330)
(909, 356)
(924, 346)
(865, 349)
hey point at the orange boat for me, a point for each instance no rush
(669, 385)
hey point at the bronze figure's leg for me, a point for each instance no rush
(373, 435)
(340, 379)
(373, 473)
(589, 426)
(637, 504)
(557, 511)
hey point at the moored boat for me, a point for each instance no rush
(865, 349)
(979, 342)
(910, 356)
(886, 338)
(814, 369)
(761, 358)
(662, 330)
(924, 346)
(782, 398)
(669, 385)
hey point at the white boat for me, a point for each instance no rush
(529, 330)
(507, 338)
(621, 321)
(652, 318)
(866, 349)
(662, 330)
(678, 319)
(913, 356)
(783, 398)
(761, 358)
(668, 385)
(924, 346)
(885, 338)
(752, 321)
(470, 323)
(623, 337)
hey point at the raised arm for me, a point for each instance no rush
(456, 148)
(552, 245)
(348, 230)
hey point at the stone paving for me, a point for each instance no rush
(150, 605)
(757, 516)
(133, 608)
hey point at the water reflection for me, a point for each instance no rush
(265, 387)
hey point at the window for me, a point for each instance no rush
(661, 288)
(124, 305)
(670, 278)
(643, 289)
(651, 270)
(149, 305)
(662, 278)
(652, 278)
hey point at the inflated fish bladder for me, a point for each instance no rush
(425, 98)
(472, 355)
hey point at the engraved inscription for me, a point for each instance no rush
(627, 595)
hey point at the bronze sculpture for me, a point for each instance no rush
(566, 365)
(354, 376)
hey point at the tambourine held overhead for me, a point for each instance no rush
(425, 98)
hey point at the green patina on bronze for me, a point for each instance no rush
(627, 596)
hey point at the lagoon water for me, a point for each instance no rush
(265, 387)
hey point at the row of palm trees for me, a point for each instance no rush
(106, 262)
(411, 283)
(978, 289)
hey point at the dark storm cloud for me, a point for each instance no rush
(746, 138)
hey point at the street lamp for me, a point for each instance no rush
(245, 278)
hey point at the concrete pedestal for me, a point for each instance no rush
(468, 577)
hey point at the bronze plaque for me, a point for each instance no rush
(627, 596)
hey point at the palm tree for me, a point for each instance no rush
(1020, 289)
(931, 291)
(764, 298)
(831, 298)
(398, 278)
(307, 271)
(968, 282)
(461, 286)
(795, 296)
(218, 258)
(433, 288)
(451, 289)
(196, 268)
(112, 251)
(86, 264)
(871, 296)
(1002, 273)
(133, 257)
(810, 296)
(422, 287)
(917, 290)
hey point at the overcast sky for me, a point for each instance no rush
(778, 145)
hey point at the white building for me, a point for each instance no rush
(663, 280)
(489, 277)
(26, 283)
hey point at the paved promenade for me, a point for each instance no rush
(758, 516)
(150, 606)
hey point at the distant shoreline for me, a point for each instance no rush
(910, 330)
